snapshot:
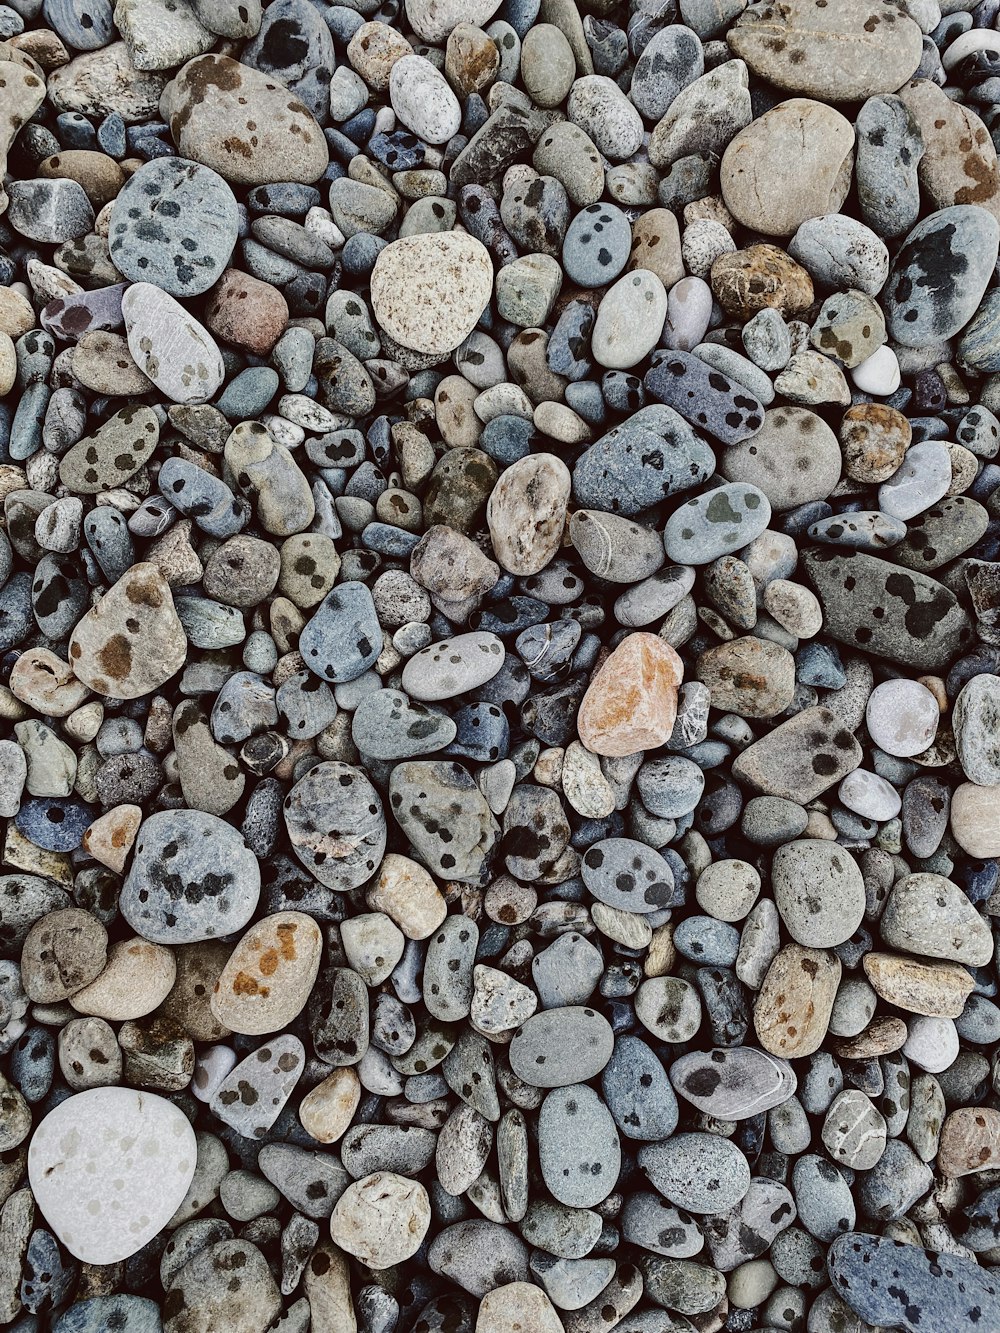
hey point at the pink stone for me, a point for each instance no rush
(631, 703)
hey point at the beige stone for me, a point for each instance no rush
(44, 681)
(749, 676)
(429, 290)
(381, 1219)
(136, 980)
(631, 702)
(110, 837)
(270, 974)
(327, 1280)
(937, 990)
(792, 1012)
(793, 162)
(327, 1110)
(518, 1307)
(759, 278)
(970, 1141)
(189, 1004)
(405, 892)
(132, 641)
(975, 820)
(526, 513)
(959, 163)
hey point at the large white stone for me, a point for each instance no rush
(109, 1168)
(429, 290)
(171, 347)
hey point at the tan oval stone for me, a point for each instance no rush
(327, 1282)
(792, 1012)
(883, 1035)
(975, 819)
(631, 702)
(526, 513)
(748, 676)
(270, 974)
(407, 894)
(381, 1219)
(794, 458)
(970, 1141)
(518, 1307)
(327, 1110)
(110, 837)
(137, 979)
(937, 990)
(102, 362)
(843, 51)
(762, 277)
(429, 290)
(794, 162)
(132, 641)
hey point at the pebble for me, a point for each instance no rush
(108, 1137)
(172, 348)
(428, 291)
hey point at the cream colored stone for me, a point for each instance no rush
(429, 290)
(137, 979)
(270, 974)
(406, 892)
(326, 1111)
(110, 837)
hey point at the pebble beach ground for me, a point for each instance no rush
(499, 666)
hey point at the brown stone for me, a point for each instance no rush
(792, 1012)
(792, 163)
(749, 676)
(631, 702)
(959, 165)
(471, 60)
(110, 837)
(244, 311)
(874, 438)
(100, 176)
(883, 1035)
(937, 990)
(970, 1141)
(45, 682)
(327, 1110)
(759, 278)
(270, 974)
(656, 246)
(198, 968)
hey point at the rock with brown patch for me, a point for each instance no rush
(959, 165)
(269, 975)
(132, 641)
(970, 1141)
(242, 124)
(793, 1007)
(631, 703)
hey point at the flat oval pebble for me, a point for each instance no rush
(699, 1172)
(428, 291)
(561, 1046)
(733, 1084)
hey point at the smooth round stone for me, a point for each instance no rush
(733, 1084)
(192, 878)
(174, 224)
(727, 890)
(561, 1046)
(922, 478)
(854, 1131)
(387, 725)
(794, 458)
(132, 641)
(336, 825)
(870, 796)
(931, 1043)
(578, 1147)
(670, 61)
(940, 274)
(423, 101)
(453, 666)
(716, 523)
(597, 245)
(974, 814)
(638, 1093)
(169, 345)
(792, 163)
(822, 1197)
(428, 291)
(89, 1167)
(113, 454)
(269, 975)
(846, 53)
(629, 320)
(819, 891)
(670, 787)
(701, 1173)
(628, 875)
(902, 717)
(888, 1283)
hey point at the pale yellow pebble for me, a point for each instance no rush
(327, 1110)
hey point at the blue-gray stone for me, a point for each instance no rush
(716, 523)
(343, 638)
(638, 1092)
(641, 461)
(707, 398)
(53, 823)
(579, 1151)
(199, 495)
(85, 25)
(174, 224)
(100, 1314)
(628, 875)
(597, 245)
(295, 46)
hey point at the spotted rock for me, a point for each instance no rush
(132, 641)
(114, 454)
(336, 825)
(269, 975)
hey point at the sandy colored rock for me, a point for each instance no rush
(959, 164)
(874, 439)
(518, 1307)
(970, 1141)
(189, 1004)
(270, 974)
(749, 676)
(46, 683)
(381, 1219)
(759, 278)
(975, 819)
(631, 702)
(137, 978)
(792, 1011)
(938, 990)
(327, 1110)
(526, 513)
(132, 641)
(794, 162)
(429, 290)
(407, 894)
(110, 837)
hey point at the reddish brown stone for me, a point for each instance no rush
(631, 703)
(244, 311)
